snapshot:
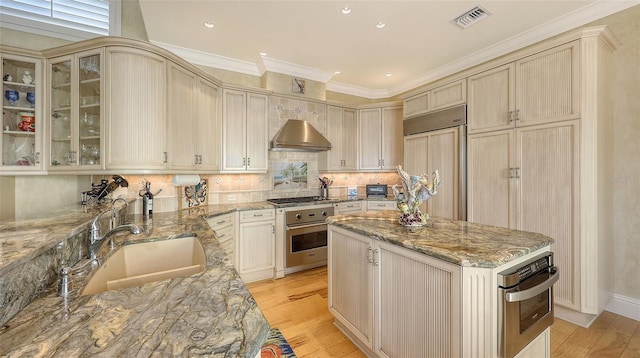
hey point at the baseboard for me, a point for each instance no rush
(575, 317)
(624, 306)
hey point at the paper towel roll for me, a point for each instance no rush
(185, 179)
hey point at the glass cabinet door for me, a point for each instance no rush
(89, 109)
(76, 111)
(21, 137)
(61, 123)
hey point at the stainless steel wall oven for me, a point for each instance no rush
(525, 296)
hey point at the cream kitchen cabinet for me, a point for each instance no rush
(531, 184)
(349, 207)
(426, 152)
(375, 205)
(193, 122)
(380, 138)
(342, 133)
(396, 302)
(440, 97)
(540, 88)
(225, 229)
(77, 110)
(256, 251)
(136, 117)
(245, 131)
(21, 142)
(548, 171)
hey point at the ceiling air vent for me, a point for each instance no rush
(471, 17)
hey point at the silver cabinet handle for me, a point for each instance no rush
(511, 116)
(375, 262)
(534, 291)
(37, 157)
(166, 157)
(369, 259)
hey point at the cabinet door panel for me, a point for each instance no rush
(449, 95)
(181, 112)
(443, 154)
(548, 86)
(208, 125)
(349, 139)
(234, 132)
(392, 135)
(256, 246)
(257, 132)
(490, 199)
(418, 303)
(370, 123)
(351, 295)
(136, 119)
(548, 161)
(416, 105)
(416, 153)
(333, 158)
(491, 99)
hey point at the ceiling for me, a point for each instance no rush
(313, 39)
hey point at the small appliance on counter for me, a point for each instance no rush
(376, 190)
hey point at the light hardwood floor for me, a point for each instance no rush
(297, 304)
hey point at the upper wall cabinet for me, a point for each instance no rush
(380, 137)
(342, 132)
(22, 120)
(440, 97)
(245, 131)
(136, 123)
(194, 124)
(76, 109)
(541, 88)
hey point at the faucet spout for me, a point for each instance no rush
(94, 247)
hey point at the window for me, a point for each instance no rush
(67, 19)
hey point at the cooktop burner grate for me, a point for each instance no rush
(300, 199)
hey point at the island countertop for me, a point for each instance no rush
(458, 242)
(209, 314)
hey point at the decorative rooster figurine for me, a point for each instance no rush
(416, 190)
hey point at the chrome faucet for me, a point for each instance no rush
(115, 223)
(96, 239)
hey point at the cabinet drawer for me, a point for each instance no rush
(257, 215)
(218, 222)
(225, 234)
(348, 206)
(381, 205)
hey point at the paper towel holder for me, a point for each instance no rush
(185, 179)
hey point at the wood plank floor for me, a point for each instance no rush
(297, 304)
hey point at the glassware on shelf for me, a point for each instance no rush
(12, 96)
(31, 98)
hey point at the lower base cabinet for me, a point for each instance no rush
(395, 302)
(256, 245)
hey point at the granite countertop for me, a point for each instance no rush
(211, 313)
(459, 242)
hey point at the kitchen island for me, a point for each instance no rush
(207, 314)
(427, 291)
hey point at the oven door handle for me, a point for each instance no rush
(304, 226)
(533, 291)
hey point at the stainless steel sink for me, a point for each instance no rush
(138, 264)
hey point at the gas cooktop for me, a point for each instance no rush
(299, 199)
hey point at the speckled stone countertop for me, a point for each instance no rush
(208, 314)
(459, 242)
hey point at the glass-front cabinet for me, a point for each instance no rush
(22, 126)
(76, 112)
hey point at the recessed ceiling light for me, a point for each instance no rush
(346, 10)
(380, 25)
(262, 53)
(337, 73)
(209, 25)
(389, 74)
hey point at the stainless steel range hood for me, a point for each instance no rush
(301, 136)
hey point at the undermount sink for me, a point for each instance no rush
(138, 264)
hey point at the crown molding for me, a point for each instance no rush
(211, 60)
(357, 91)
(570, 21)
(273, 65)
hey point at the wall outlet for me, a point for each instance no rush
(231, 198)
